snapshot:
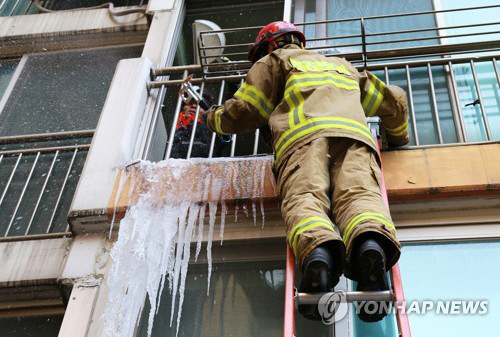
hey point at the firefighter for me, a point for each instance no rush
(325, 159)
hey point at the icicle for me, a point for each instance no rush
(254, 213)
(212, 206)
(223, 213)
(245, 210)
(178, 256)
(193, 215)
(262, 212)
(201, 220)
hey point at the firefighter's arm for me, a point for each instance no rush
(389, 103)
(250, 106)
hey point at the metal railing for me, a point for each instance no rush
(38, 177)
(403, 73)
(441, 85)
(362, 47)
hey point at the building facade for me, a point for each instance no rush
(87, 93)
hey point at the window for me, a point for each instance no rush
(246, 299)
(464, 270)
(49, 101)
(32, 311)
(61, 91)
(7, 69)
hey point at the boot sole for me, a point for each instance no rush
(372, 273)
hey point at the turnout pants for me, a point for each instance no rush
(330, 191)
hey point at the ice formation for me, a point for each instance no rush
(170, 199)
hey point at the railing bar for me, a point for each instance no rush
(34, 237)
(28, 8)
(463, 134)
(434, 104)
(228, 46)
(434, 50)
(256, 142)
(432, 37)
(380, 66)
(2, 4)
(46, 136)
(10, 178)
(196, 80)
(61, 191)
(432, 29)
(246, 65)
(386, 73)
(195, 124)
(175, 119)
(494, 60)
(481, 104)
(336, 46)
(46, 149)
(224, 54)
(14, 8)
(233, 145)
(423, 63)
(233, 137)
(42, 192)
(219, 102)
(22, 194)
(335, 37)
(412, 106)
(431, 12)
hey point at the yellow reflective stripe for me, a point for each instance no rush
(312, 79)
(294, 98)
(295, 101)
(305, 225)
(256, 98)
(378, 217)
(218, 126)
(318, 66)
(320, 123)
(303, 222)
(374, 96)
(399, 131)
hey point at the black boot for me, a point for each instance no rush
(370, 265)
(320, 274)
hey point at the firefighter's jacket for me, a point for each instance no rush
(302, 95)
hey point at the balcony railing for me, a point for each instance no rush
(451, 87)
(38, 176)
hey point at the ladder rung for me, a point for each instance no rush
(351, 296)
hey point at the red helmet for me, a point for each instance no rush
(270, 33)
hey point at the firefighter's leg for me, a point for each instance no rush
(363, 218)
(357, 203)
(304, 183)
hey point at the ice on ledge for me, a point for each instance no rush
(168, 201)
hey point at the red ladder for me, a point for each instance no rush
(397, 294)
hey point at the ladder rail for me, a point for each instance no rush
(397, 284)
(289, 319)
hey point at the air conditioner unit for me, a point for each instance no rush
(207, 40)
